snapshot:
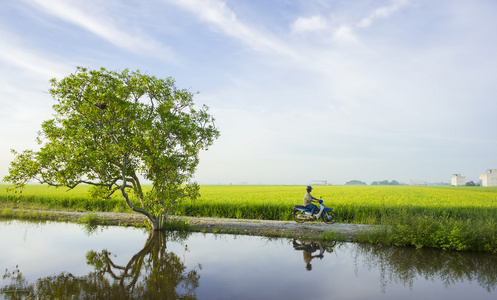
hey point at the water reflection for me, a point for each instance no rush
(62, 261)
(405, 265)
(308, 247)
(152, 273)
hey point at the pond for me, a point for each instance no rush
(64, 261)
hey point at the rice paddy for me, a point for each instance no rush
(459, 218)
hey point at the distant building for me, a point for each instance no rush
(458, 180)
(489, 178)
(417, 182)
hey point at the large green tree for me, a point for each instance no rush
(111, 129)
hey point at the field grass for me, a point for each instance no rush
(353, 204)
(37, 196)
(456, 218)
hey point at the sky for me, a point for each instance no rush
(302, 91)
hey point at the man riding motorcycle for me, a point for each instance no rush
(308, 199)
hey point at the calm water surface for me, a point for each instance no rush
(60, 260)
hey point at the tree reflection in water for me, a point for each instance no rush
(405, 265)
(152, 273)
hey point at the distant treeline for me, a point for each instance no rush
(395, 182)
(383, 182)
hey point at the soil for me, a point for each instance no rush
(343, 231)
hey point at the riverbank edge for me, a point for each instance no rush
(268, 228)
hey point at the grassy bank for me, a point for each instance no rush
(452, 218)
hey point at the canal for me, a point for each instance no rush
(64, 260)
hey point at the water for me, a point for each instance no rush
(59, 260)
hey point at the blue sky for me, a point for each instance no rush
(301, 90)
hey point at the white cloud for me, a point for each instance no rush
(314, 23)
(217, 14)
(15, 54)
(345, 34)
(382, 12)
(92, 16)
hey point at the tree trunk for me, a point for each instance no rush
(157, 222)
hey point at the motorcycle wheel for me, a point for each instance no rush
(329, 217)
(297, 214)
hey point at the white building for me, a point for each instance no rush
(417, 182)
(489, 178)
(458, 180)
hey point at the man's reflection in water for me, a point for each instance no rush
(308, 248)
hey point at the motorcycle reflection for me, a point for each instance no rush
(308, 247)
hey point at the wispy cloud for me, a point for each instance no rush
(314, 23)
(98, 21)
(17, 55)
(217, 14)
(382, 12)
(344, 33)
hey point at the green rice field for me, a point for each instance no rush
(460, 218)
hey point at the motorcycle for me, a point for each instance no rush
(301, 214)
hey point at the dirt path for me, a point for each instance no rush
(222, 225)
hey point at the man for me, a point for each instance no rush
(308, 199)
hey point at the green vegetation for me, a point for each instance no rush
(385, 182)
(451, 218)
(37, 196)
(109, 130)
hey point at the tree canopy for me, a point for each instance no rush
(385, 182)
(355, 182)
(111, 129)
